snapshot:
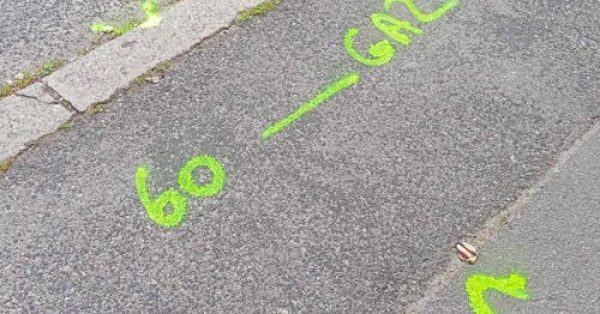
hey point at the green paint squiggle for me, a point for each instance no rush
(391, 26)
(152, 19)
(343, 83)
(421, 16)
(151, 10)
(477, 285)
(156, 209)
(383, 51)
(186, 177)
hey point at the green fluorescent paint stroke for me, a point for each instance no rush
(343, 83)
(477, 285)
(186, 177)
(156, 208)
(420, 15)
(151, 10)
(380, 53)
(150, 7)
(151, 19)
(383, 52)
(391, 26)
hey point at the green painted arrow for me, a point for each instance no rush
(477, 285)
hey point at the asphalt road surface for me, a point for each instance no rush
(352, 209)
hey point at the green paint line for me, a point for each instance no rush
(343, 83)
(421, 16)
(186, 177)
(30, 77)
(150, 8)
(515, 285)
(261, 9)
(156, 208)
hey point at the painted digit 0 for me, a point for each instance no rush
(186, 177)
(383, 51)
(421, 16)
(156, 208)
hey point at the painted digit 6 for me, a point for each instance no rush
(156, 208)
(383, 51)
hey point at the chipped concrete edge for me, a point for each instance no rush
(96, 77)
(500, 221)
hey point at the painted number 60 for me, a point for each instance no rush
(156, 208)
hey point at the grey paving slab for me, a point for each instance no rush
(554, 245)
(41, 92)
(32, 32)
(351, 210)
(96, 76)
(24, 119)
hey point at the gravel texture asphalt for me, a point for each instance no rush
(353, 209)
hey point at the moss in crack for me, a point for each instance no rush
(96, 109)
(140, 80)
(152, 76)
(163, 67)
(67, 125)
(5, 165)
(50, 66)
(67, 105)
(115, 30)
(27, 77)
(261, 9)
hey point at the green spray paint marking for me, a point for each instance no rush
(383, 52)
(156, 208)
(151, 10)
(477, 285)
(151, 19)
(391, 26)
(186, 177)
(345, 82)
(420, 15)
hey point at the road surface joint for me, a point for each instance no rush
(97, 76)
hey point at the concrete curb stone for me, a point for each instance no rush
(24, 119)
(97, 76)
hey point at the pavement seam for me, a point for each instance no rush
(501, 220)
(47, 89)
(217, 17)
